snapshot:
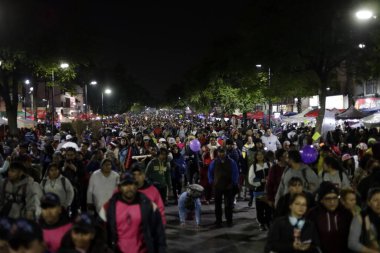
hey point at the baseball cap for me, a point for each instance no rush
(146, 138)
(84, 224)
(172, 140)
(126, 178)
(346, 157)
(50, 200)
(137, 167)
(161, 140)
(69, 137)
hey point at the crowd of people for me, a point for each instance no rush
(107, 191)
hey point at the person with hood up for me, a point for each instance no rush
(331, 219)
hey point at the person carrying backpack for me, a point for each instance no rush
(333, 172)
(297, 169)
(56, 183)
(257, 177)
(17, 195)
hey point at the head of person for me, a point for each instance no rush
(229, 144)
(138, 172)
(268, 132)
(330, 164)
(328, 196)
(5, 230)
(298, 205)
(83, 232)
(281, 155)
(221, 153)
(128, 187)
(26, 237)
(373, 200)
(213, 141)
(163, 156)
(70, 154)
(295, 185)
(16, 171)
(259, 156)
(51, 208)
(106, 166)
(348, 199)
(286, 145)
(53, 171)
(294, 157)
(84, 147)
(123, 141)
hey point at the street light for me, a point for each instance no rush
(85, 87)
(106, 91)
(364, 14)
(63, 65)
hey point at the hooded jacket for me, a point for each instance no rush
(53, 234)
(333, 228)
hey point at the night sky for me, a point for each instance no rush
(160, 41)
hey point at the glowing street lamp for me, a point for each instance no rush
(364, 14)
(105, 91)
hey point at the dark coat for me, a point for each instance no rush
(152, 227)
(280, 237)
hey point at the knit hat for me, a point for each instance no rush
(50, 200)
(326, 188)
(371, 141)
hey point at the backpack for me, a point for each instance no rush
(63, 181)
(11, 198)
(340, 175)
(304, 176)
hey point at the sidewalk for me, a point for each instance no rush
(244, 236)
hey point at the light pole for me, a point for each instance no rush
(269, 100)
(31, 89)
(85, 87)
(62, 66)
(27, 82)
(106, 91)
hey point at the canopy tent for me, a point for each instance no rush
(299, 118)
(372, 120)
(25, 123)
(350, 113)
(255, 115)
(312, 114)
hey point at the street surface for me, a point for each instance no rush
(243, 237)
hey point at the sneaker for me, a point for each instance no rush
(218, 224)
(250, 203)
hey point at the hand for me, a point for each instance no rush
(304, 246)
(8, 159)
(297, 245)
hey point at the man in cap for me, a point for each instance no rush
(26, 236)
(133, 221)
(138, 172)
(53, 221)
(190, 201)
(331, 219)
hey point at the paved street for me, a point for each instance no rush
(244, 236)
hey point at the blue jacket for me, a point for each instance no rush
(234, 169)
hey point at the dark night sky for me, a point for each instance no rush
(159, 41)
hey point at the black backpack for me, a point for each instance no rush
(63, 181)
(11, 198)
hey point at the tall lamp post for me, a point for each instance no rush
(269, 100)
(85, 87)
(105, 91)
(62, 66)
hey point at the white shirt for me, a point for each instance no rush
(271, 142)
(101, 188)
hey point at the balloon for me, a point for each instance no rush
(309, 154)
(195, 145)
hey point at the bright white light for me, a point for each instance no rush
(94, 83)
(258, 65)
(364, 14)
(64, 65)
(328, 88)
(31, 88)
(27, 81)
(361, 45)
(107, 91)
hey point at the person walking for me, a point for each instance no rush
(223, 175)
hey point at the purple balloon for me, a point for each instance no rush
(309, 154)
(195, 145)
